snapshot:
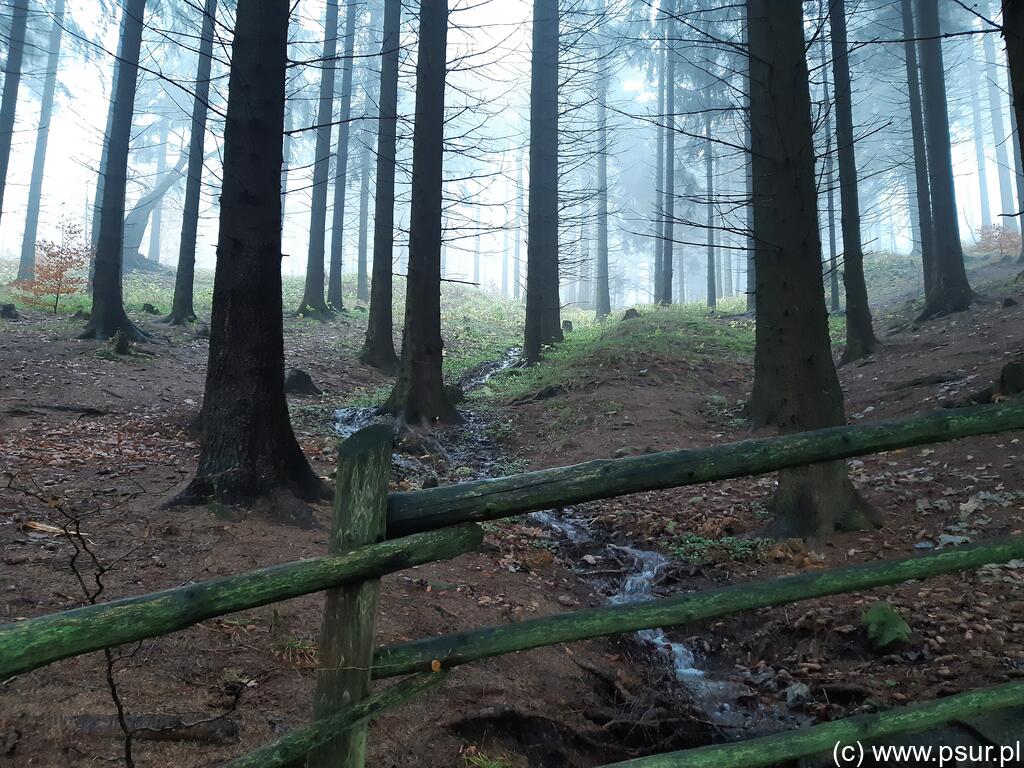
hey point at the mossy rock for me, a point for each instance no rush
(886, 628)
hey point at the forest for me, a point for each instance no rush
(637, 382)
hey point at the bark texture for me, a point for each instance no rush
(947, 290)
(860, 336)
(182, 306)
(379, 348)
(334, 288)
(108, 315)
(543, 311)
(27, 263)
(419, 397)
(795, 382)
(12, 81)
(314, 302)
(248, 448)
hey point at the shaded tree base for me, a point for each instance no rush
(285, 503)
(180, 318)
(945, 306)
(321, 311)
(858, 350)
(105, 328)
(384, 360)
(815, 501)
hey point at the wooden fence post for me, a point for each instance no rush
(346, 635)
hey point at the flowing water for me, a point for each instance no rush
(470, 445)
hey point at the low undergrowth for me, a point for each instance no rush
(659, 336)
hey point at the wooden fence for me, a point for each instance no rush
(375, 533)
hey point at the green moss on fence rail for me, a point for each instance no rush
(850, 733)
(475, 644)
(35, 642)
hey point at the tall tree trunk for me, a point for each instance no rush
(603, 301)
(860, 336)
(504, 261)
(1007, 202)
(248, 449)
(750, 278)
(379, 348)
(709, 190)
(182, 306)
(313, 302)
(157, 217)
(101, 177)
(27, 264)
(334, 288)
(108, 315)
(520, 213)
(979, 140)
(12, 80)
(419, 396)
(949, 290)
(586, 284)
(543, 312)
(795, 384)
(137, 221)
(830, 192)
(1013, 23)
(1020, 172)
(366, 132)
(670, 159)
(659, 189)
(289, 124)
(478, 225)
(922, 184)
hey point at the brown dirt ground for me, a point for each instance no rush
(110, 436)
(966, 628)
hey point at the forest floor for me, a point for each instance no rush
(103, 439)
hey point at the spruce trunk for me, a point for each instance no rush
(182, 306)
(27, 264)
(379, 348)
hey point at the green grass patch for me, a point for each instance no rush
(698, 549)
(688, 332)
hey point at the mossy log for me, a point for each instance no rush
(849, 734)
(293, 748)
(472, 645)
(424, 510)
(33, 643)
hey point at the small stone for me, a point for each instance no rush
(797, 694)
(567, 601)
(9, 312)
(149, 309)
(631, 314)
(567, 326)
(298, 382)
(1008, 302)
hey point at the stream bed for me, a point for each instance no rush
(609, 563)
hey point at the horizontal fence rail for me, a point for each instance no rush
(412, 511)
(475, 644)
(29, 644)
(817, 739)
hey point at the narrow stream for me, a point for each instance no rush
(590, 551)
